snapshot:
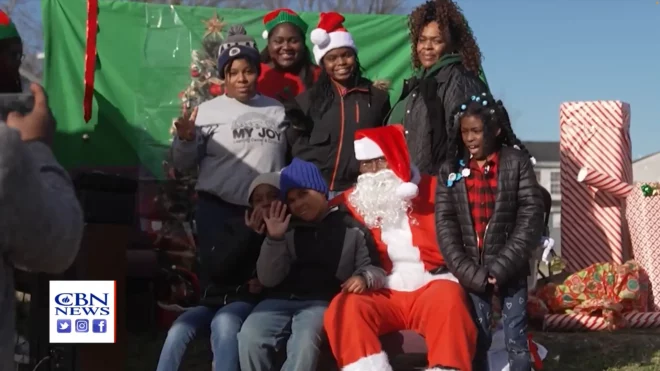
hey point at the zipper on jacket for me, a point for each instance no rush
(357, 113)
(483, 248)
(341, 142)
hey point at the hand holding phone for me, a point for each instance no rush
(31, 117)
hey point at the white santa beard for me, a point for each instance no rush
(375, 199)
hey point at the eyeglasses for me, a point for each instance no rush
(373, 165)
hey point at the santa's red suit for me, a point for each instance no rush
(419, 295)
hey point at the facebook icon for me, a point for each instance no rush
(99, 326)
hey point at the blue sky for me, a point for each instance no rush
(541, 53)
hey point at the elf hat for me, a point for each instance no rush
(330, 34)
(7, 27)
(283, 15)
(389, 142)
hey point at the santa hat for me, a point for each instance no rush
(390, 143)
(330, 34)
(283, 15)
(7, 27)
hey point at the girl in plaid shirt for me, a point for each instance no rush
(489, 216)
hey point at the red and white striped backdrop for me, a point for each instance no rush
(594, 134)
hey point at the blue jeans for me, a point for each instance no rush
(513, 297)
(274, 323)
(224, 323)
(210, 215)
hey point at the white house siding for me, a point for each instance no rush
(647, 168)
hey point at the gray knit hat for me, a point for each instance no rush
(237, 36)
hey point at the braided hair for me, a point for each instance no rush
(322, 93)
(494, 116)
(305, 64)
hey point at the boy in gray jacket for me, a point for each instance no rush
(303, 266)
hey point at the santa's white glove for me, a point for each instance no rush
(547, 244)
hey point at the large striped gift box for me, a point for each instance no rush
(643, 215)
(596, 172)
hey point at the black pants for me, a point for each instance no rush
(211, 213)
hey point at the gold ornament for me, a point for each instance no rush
(214, 24)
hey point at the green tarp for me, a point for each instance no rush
(144, 53)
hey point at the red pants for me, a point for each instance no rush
(438, 311)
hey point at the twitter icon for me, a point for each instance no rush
(64, 325)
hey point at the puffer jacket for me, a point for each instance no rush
(513, 232)
(431, 99)
(327, 141)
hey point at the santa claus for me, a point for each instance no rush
(397, 204)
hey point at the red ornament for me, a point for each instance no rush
(215, 90)
(194, 72)
(4, 19)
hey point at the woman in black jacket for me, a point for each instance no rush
(338, 104)
(233, 289)
(447, 64)
(489, 220)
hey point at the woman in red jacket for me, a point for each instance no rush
(287, 69)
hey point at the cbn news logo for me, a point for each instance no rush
(81, 303)
(82, 311)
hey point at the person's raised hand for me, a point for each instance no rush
(355, 285)
(277, 220)
(185, 124)
(38, 124)
(255, 220)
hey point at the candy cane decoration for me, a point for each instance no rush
(583, 322)
(603, 182)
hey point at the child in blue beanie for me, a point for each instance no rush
(303, 264)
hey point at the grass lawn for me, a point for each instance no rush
(611, 351)
(592, 351)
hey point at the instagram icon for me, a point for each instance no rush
(82, 325)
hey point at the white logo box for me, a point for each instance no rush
(91, 308)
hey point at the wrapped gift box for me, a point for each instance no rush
(594, 138)
(643, 216)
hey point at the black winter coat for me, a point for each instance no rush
(327, 141)
(233, 262)
(431, 101)
(513, 232)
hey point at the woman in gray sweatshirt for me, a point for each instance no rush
(232, 138)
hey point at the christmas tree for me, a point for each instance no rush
(205, 84)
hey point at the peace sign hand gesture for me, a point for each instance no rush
(185, 124)
(277, 220)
